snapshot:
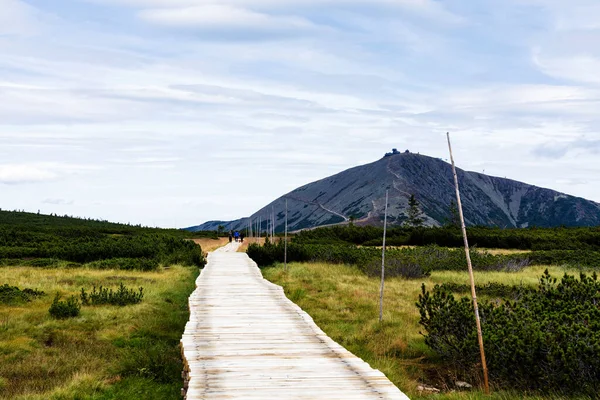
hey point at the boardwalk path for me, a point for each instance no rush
(246, 340)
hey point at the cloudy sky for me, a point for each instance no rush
(173, 112)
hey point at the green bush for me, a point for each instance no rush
(492, 289)
(415, 262)
(64, 309)
(121, 297)
(140, 264)
(580, 238)
(14, 295)
(43, 241)
(395, 267)
(546, 340)
(573, 258)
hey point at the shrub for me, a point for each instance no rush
(395, 267)
(546, 340)
(121, 297)
(42, 262)
(140, 264)
(64, 309)
(583, 238)
(409, 262)
(14, 295)
(575, 258)
(493, 289)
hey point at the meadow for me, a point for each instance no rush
(543, 344)
(344, 302)
(107, 351)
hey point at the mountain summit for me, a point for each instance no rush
(359, 194)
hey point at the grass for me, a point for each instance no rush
(344, 303)
(107, 352)
(210, 244)
(249, 241)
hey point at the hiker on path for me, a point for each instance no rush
(230, 236)
(237, 236)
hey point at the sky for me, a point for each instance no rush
(173, 112)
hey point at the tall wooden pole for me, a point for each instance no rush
(470, 266)
(285, 241)
(383, 259)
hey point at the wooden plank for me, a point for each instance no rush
(246, 340)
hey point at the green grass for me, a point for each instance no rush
(107, 352)
(344, 303)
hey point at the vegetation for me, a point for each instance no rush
(546, 340)
(57, 349)
(454, 220)
(415, 215)
(65, 309)
(29, 239)
(121, 297)
(416, 262)
(492, 289)
(13, 295)
(343, 301)
(106, 352)
(450, 236)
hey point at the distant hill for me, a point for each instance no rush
(359, 194)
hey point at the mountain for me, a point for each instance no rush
(359, 194)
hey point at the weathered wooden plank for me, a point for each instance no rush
(246, 340)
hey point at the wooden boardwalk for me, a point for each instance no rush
(246, 340)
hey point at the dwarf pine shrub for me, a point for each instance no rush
(121, 297)
(64, 309)
(14, 295)
(546, 340)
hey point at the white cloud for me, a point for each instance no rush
(570, 15)
(58, 202)
(213, 16)
(15, 174)
(17, 18)
(162, 110)
(20, 173)
(579, 67)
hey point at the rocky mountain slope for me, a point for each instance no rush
(359, 194)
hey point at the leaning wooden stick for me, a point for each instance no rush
(285, 241)
(470, 266)
(383, 259)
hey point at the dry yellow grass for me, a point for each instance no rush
(344, 303)
(248, 242)
(504, 251)
(209, 244)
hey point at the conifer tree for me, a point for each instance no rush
(454, 219)
(415, 215)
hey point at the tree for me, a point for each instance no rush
(220, 229)
(454, 219)
(415, 215)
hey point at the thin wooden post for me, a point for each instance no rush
(383, 259)
(285, 241)
(470, 266)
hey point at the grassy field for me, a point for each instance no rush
(210, 244)
(344, 303)
(108, 352)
